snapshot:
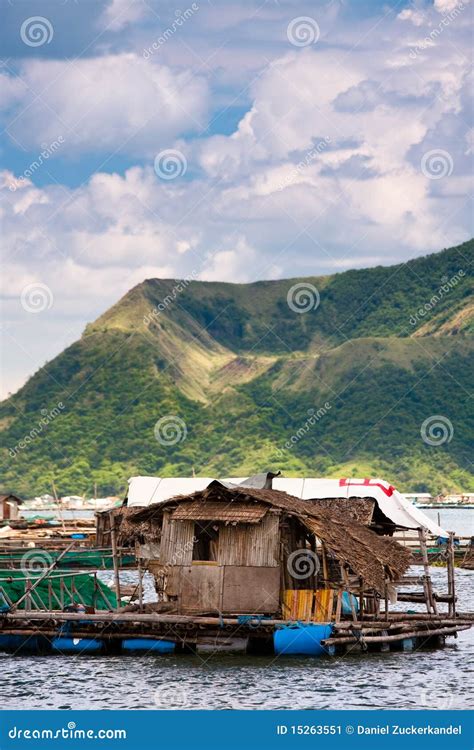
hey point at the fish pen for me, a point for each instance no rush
(240, 570)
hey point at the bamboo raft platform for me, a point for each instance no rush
(343, 607)
(399, 631)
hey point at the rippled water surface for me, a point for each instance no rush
(436, 679)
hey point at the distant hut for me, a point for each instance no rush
(9, 507)
(247, 551)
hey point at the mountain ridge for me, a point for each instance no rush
(241, 366)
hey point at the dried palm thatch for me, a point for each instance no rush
(361, 509)
(370, 556)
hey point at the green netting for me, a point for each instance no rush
(56, 590)
(86, 558)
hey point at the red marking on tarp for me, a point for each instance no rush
(346, 482)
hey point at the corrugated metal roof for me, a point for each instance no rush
(218, 511)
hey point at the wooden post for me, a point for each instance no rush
(361, 599)
(140, 584)
(345, 578)
(427, 585)
(113, 538)
(385, 591)
(59, 504)
(339, 605)
(27, 595)
(451, 579)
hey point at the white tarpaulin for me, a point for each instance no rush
(143, 491)
(390, 501)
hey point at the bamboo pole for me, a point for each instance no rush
(450, 573)
(345, 576)
(140, 586)
(60, 510)
(427, 585)
(113, 538)
(397, 637)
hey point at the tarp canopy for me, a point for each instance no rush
(391, 502)
(144, 491)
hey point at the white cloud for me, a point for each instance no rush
(102, 104)
(121, 13)
(263, 202)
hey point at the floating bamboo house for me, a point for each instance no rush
(253, 569)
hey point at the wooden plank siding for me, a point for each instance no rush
(176, 542)
(250, 545)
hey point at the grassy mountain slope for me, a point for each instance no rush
(342, 389)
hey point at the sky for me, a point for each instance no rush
(228, 141)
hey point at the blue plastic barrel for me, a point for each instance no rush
(76, 645)
(346, 603)
(301, 639)
(19, 644)
(145, 645)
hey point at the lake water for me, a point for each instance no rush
(435, 679)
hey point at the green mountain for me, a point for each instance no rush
(243, 380)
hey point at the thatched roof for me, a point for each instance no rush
(368, 555)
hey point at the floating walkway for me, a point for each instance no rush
(136, 633)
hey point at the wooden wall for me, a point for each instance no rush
(245, 578)
(176, 542)
(251, 544)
